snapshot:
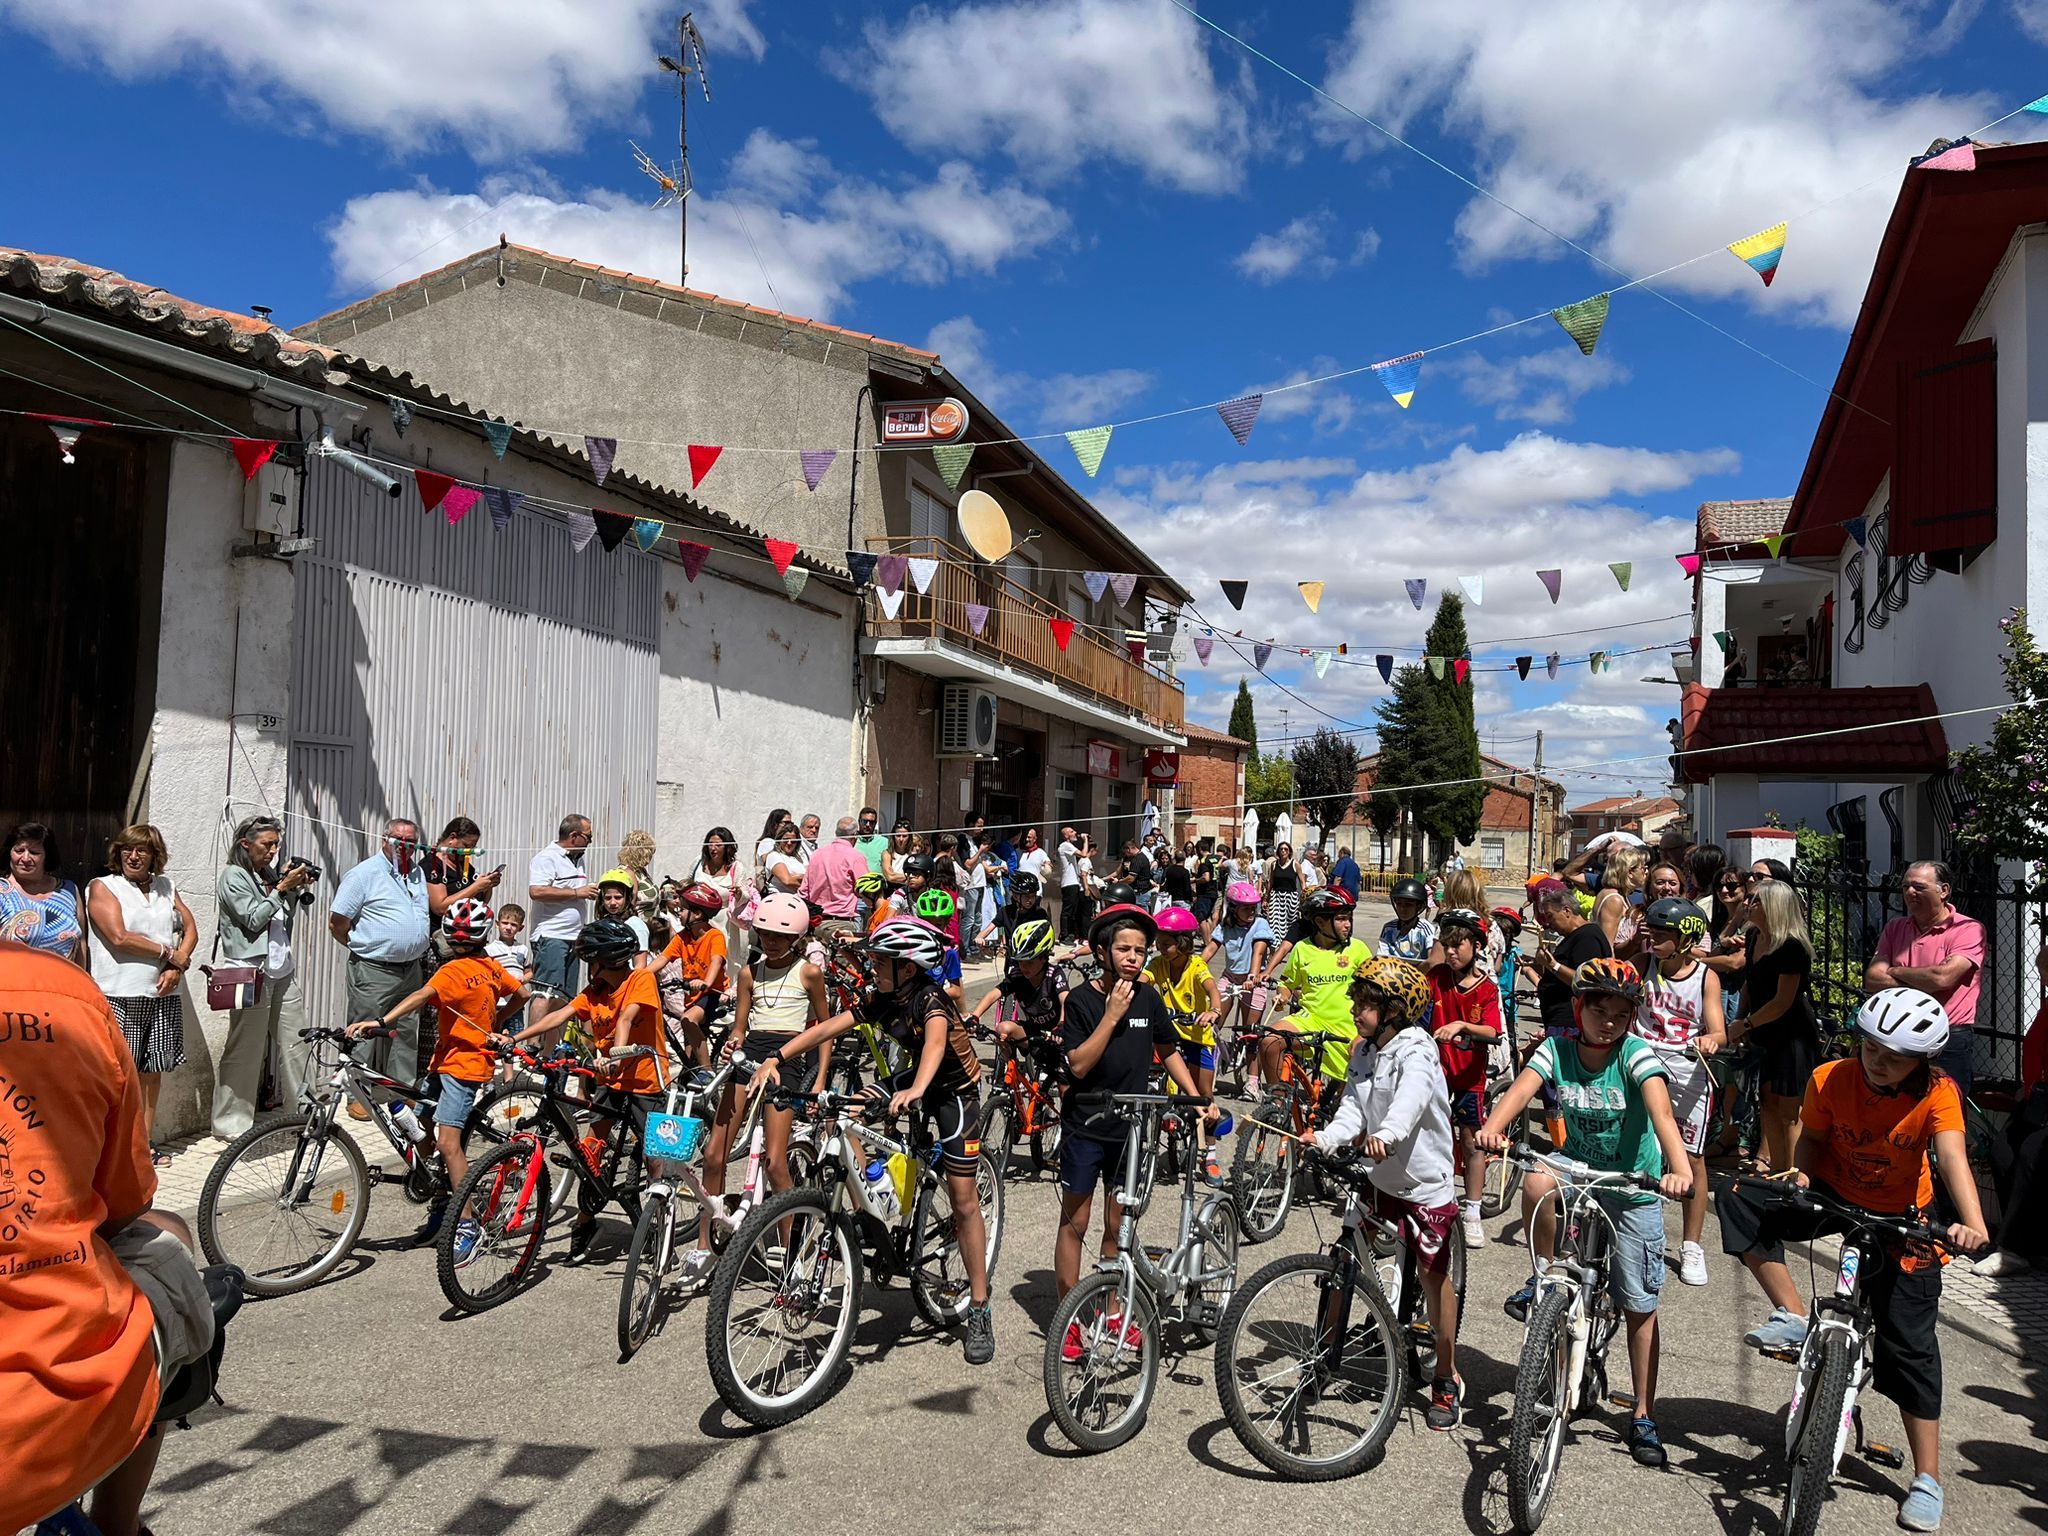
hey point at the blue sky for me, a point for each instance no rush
(1099, 209)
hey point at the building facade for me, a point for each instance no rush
(1521, 827)
(1209, 806)
(1644, 815)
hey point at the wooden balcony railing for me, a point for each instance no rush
(1018, 633)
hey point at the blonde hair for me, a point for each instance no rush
(1784, 916)
(1463, 889)
(140, 835)
(1624, 866)
(636, 852)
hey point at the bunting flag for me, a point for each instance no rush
(1690, 564)
(602, 451)
(1550, 665)
(67, 434)
(862, 564)
(693, 556)
(1725, 640)
(1261, 650)
(793, 580)
(612, 528)
(1960, 156)
(1089, 445)
(1203, 646)
(702, 457)
(1475, 589)
(1239, 414)
(1097, 583)
(582, 528)
(922, 570)
(1622, 570)
(2038, 104)
(1312, 594)
(1582, 321)
(646, 532)
(500, 435)
(1234, 590)
(1761, 251)
(1400, 374)
(1062, 631)
(1134, 647)
(503, 504)
(1595, 661)
(815, 462)
(251, 454)
(1343, 648)
(889, 572)
(891, 599)
(977, 617)
(401, 414)
(433, 486)
(1522, 665)
(781, 551)
(1386, 665)
(1552, 582)
(1461, 669)
(457, 503)
(1856, 527)
(1123, 584)
(1435, 665)
(1322, 662)
(951, 459)
(1417, 587)
(1773, 542)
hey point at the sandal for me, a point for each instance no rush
(160, 1157)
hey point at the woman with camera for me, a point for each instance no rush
(258, 903)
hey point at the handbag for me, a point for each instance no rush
(232, 986)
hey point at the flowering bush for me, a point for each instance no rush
(2001, 812)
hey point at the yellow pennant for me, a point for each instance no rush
(1312, 594)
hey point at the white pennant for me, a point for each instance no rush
(1475, 588)
(892, 602)
(1322, 662)
(922, 570)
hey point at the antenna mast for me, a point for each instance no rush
(687, 60)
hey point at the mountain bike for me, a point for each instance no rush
(786, 1297)
(1025, 1101)
(1263, 1165)
(1319, 1350)
(1237, 1049)
(1102, 1349)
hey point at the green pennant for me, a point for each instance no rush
(1724, 640)
(1622, 570)
(1582, 321)
(1089, 444)
(1773, 542)
(1436, 667)
(952, 461)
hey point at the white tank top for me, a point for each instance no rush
(151, 914)
(1673, 1012)
(780, 1004)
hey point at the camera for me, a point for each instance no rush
(304, 894)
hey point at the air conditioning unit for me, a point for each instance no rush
(967, 721)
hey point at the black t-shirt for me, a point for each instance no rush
(1176, 882)
(1038, 1002)
(1553, 997)
(1141, 871)
(901, 1018)
(1759, 986)
(1007, 918)
(1125, 1065)
(1206, 870)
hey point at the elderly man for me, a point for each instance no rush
(829, 880)
(1345, 872)
(809, 830)
(1937, 950)
(561, 891)
(380, 917)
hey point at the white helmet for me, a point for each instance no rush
(1909, 1021)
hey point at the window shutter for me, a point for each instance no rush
(1945, 452)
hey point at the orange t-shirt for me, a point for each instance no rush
(600, 1009)
(467, 991)
(1874, 1145)
(695, 954)
(78, 1374)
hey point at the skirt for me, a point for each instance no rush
(155, 1030)
(1283, 908)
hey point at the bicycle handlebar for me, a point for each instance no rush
(1578, 1174)
(1784, 1192)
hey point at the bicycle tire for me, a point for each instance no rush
(1219, 1235)
(647, 1259)
(1264, 1189)
(1239, 1348)
(243, 1152)
(942, 1299)
(1090, 1304)
(746, 1261)
(998, 1132)
(1536, 1439)
(1813, 1454)
(1047, 1140)
(491, 1194)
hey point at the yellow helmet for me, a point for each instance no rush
(1398, 985)
(623, 877)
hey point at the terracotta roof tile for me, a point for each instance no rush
(1875, 743)
(1202, 733)
(1742, 522)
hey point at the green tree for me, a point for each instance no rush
(1400, 718)
(2002, 783)
(1429, 736)
(1243, 725)
(1269, 786)
(1326, 776)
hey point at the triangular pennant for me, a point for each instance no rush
(1322, 662)
(1312, 594)
(1595, 661)
(862, 564)
(1957, 157)
(1522, 665)
(922, 569)
(1417, 587)
(1097, 583)
(1239, 414)
(793, 580)
(1234, 590)
(1343, 648)
(1461, 669)
(1552, 582)
(1762, 251)
(1386, 665)
(1475, 589)
(1772, 543)
(582, 528)
(1582, 321)
(1262, 650)
(67, 434)
(1089, 444)
(890, 571)
(977, 617)
(401, 414)
(1690, 564)
(815, 462)
(646, 532)
(1550, 665)
(693, 556)
(457, 503)
(1134, 647)
(602, 451)
(1622, 569)
(2038, 104)
(503, 504)
(433, 486)
(1203, 646)
(702, 457)
(1062, 631)
(1123, 584)
(1725, 640)
(1399, 374)
(1435, 665)
(781, 551)
(1859, 531)
(612, 528)
(500, 435)
(252, 454)
(951, 459)
(891, 599)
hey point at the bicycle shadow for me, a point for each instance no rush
(2022, 1466)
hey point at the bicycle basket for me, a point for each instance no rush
(674, 1138)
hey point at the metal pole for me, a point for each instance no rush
(1535, 803)
(683, 148)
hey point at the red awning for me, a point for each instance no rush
(1720, 724)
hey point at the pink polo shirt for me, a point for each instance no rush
(1904, 943)
(829, 878)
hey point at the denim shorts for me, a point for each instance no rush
(457, 1100)
(554, 968)
(1635, 1268)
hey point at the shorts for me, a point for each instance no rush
(1428, 1227)
(795, 1076)
(1205, 904)
(457, 1100)
(1257, 998)
(555, 970)
(1086, 1161)
(1468, 1108)
(1201, 1055)
(1691, 1085)
(955, 1115)
(1635, 1269)
(154, 1028)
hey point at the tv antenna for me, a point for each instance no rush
(687, 60)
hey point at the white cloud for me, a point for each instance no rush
(726, 24)
(850, 231)
(1537, 387)
(2032, 16)
(1654, 134)
(1055, 84)
(1064, 400)
(1301, 247)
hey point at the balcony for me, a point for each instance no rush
(1015, 655)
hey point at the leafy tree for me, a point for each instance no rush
(1428, 736)
(1243, 725)
(1400, 718)
(1326, 776)
(2001, 784)
(1269, 786)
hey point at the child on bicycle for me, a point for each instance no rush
(1611, 1089)
(1409, 934)
(1030, 993)
(698, 957)
(1396, 1098)
(1681, 1017)
(1465, 1008)
(1242, 947)
(1317, 974)
(1179, 975)
(1866, 1126)
(617, 894)
(937, 909)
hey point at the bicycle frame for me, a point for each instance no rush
(350, 1080)
(554, 1114)
(1585, 1238)
(1176, 1275)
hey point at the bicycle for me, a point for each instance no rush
(1237, 1048)
(1572, 1320)
(786, 1296)
(1296, 1362)
(1117, 1313)
(1025, 1101)
(1262, 1166)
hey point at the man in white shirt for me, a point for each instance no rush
(561, 892)
(1070, 885)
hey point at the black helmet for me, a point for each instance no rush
(1025, 884)
(1410, 889)
(1122, 894)
(1679, 916)
(917, 864)
(607, 942)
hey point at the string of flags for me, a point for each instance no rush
(1458, 668)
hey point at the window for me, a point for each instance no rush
(1065, 797)
(1493, 853)
(931, 520)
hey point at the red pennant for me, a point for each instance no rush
(1461, 668)
(251, 454)
(702, 457)
(1137, 650)
(781, 551)
(693, 556)
(1062, 631)
(432, 487)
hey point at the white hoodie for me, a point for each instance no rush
(1398, 1094)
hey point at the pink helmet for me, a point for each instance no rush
(1178, 920)
(1242, 893)
(782, 914)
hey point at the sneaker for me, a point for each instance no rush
(1921, 1510)
(1783, 1331)
(697, 1266)
(1212, 1171)
(1692, 1264)
(1475, 1230)
(2000, 1262)
(1517, 1305)
(467, 1235)
(1070, 1346)
(356, 1111)
(981, 1336)
(1446, 1402)
(431, 1227)
(581, 1236)
(1644, 1445)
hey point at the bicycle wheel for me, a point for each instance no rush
(647, 1265)
(1262, 1175)
(778, 1323)
(998, 1131)
(1307, 1403)
(1503, 1184)
(1100, 1393)
(1217, 1263)
(1823, 1425)
(1046, 1140)
(1543, 1398)
(285, 1202)
(938, 1273)
(495, 1196)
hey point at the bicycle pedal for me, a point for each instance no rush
(1885, 1455)
(1622, 1400)
(1789, 1356)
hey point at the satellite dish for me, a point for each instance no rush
(985, 525)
